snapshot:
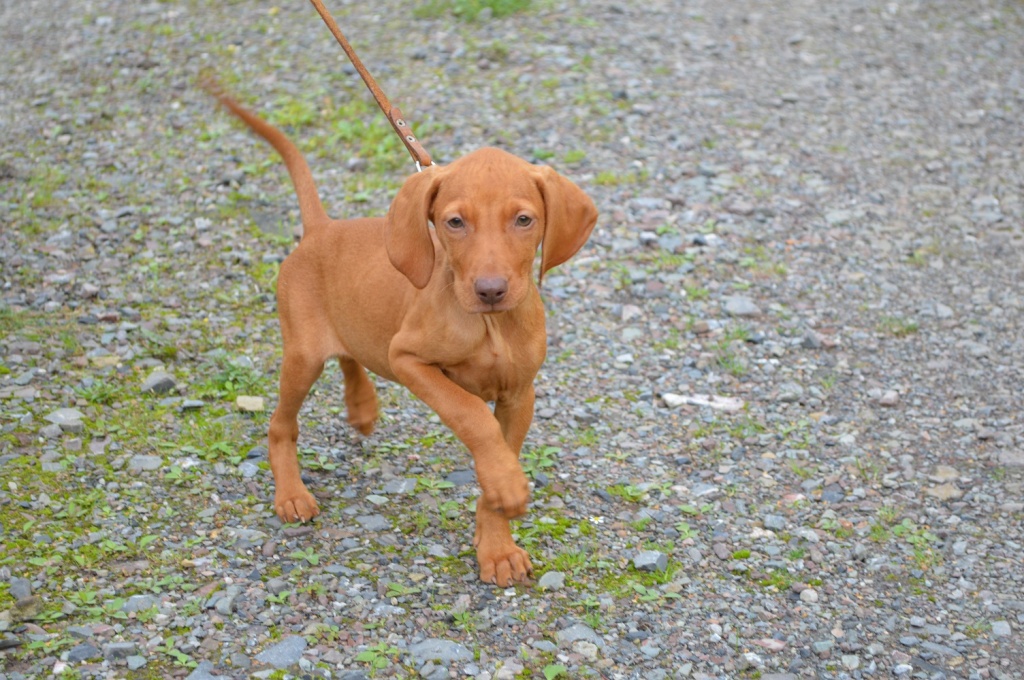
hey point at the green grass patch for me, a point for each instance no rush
(897, 326)
(469, 10)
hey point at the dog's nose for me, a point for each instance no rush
(491, 291)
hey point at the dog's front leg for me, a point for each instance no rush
(501, 560)
(505, 488)
(514, 414)
(494, 440)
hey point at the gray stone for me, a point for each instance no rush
(944, 492)
(51, 431)
(739, 206)
(552, 580)
(374, 522)
(276, 586)
(298, 532)
(432, 672)
(838, 217)
(436, 649)
(158, 382)
(510, 669)
(226, 603)
(82, 652)
(889, 398)
(944, 473)
(406, 485)
(774, 522)
(739, 305)
(24, 378)
(790, 392)
(978, 349)
(143, 463)
(1001, 629)
(578, 631)
(833, 493)
(118, 650)
(649, 649)
(204, 671)
(821, 646)
(702, 489)
(285, 653)
(461, 477)
(135, 662)
(385, 610)
(138, 603)
(67, 419)
(650, 560)
(1012, 458)
(19, 588)
(51, 462)
(631, 333)
(811, 340)
(248, 469)
(935, 647)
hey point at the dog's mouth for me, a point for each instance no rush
(494, 309)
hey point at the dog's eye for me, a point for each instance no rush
(456, 223)
(524, 221)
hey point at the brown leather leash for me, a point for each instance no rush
(393, 113)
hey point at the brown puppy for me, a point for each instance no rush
(451, 312)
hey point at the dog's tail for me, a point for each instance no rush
(310, 207)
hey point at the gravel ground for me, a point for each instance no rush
(779, 431)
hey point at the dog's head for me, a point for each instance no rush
(490, 210)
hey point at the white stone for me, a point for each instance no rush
(809, 595)
(249, 404)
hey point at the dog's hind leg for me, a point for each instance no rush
(360, 396)
(292, 500)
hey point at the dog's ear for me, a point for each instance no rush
(406, 235)
(569, 217)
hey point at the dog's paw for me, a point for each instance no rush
(362, 414)
(510, 497)
(504, 564)
(295, 505)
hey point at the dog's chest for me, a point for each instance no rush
(500, 363)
